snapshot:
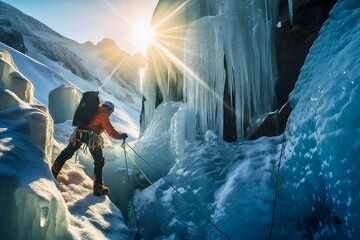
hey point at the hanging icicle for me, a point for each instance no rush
(291, 13)
(243, 36)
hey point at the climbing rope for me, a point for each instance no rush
(137, 234)
(277, 179)
(171, 215)
(191, 204)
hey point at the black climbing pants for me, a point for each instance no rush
(96, 153)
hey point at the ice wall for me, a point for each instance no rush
(11, 78)
(62, 103)
(219, 49)
(320, 170)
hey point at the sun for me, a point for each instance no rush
(143, 35)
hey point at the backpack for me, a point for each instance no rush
(86, 109)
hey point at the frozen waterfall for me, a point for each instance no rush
(225, 68)
(232, 50)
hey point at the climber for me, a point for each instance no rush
(91, 136)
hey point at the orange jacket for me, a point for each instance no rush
(101, 123)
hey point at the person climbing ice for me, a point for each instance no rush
(91, 136)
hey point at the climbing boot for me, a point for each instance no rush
(100, 189)
(55, 170)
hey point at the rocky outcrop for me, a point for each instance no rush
(10, 36)
(293, 41)
(270, 124)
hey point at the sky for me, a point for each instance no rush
(93, 20)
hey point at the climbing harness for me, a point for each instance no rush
(177, 191)
(88, 138)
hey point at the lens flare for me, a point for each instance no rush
(143, 35)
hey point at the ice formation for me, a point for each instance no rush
(234, 184)
(62, 103)
(231, 183)
(226, 53)
(232, 50)
(26, 143)
(291, 11)
(32, 119)
(12, 79)
(26, 197)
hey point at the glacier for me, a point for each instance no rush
(313, 165)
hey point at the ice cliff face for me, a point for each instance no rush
(10, 36)
(321, 156)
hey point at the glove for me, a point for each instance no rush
(124, 136)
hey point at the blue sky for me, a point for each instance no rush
(91, 20)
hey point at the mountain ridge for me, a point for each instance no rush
(40, 42)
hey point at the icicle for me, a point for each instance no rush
(243, 35)
(291, 13)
